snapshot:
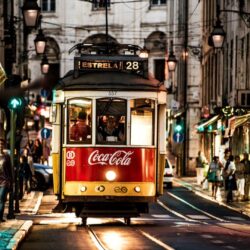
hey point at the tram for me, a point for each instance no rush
(108, 140)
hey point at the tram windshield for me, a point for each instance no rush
(111, 121)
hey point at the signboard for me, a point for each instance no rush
(133, 64)
(91, 164)
(178, 137)
(45, 133)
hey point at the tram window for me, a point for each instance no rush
(142, 122)
(111, 121)
(79, 121)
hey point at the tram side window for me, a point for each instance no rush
(79, 121)
(142, 122)
(111, 121)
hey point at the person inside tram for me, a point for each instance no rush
(80, 130)
(110, 131)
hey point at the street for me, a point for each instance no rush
(179, 220)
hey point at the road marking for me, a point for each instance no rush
(158, 242)
(174, 212)
(196, 208)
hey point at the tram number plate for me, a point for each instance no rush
(112, 93)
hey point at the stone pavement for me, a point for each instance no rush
(13, 231)
(239, 206)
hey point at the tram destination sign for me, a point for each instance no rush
(130, 64)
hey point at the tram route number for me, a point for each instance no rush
(70, 159)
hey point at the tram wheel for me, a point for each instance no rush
(84, 221)
(127, 220)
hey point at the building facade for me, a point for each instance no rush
(225, 78)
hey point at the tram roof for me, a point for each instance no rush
(108, 80)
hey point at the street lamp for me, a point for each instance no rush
(31, 12)
(45, 65)
(218, 34)
(172, 61)
(40, 42)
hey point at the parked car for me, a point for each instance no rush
(43, 176)
(168, 174)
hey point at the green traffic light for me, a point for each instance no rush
(15, 103)
(201, 128)
(178, 128)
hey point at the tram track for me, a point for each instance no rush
(222, 222)
(131, 232)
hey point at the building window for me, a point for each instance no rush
(48, 5)
(158, 2)
(100, 4)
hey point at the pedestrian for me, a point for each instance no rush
(246, 162)
(5, 178)
(214, 175)
(37, 151)
(201, 163)
(230, 180)
(46, 152)
(25, 173)
(240, 179)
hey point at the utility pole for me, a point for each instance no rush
(185, 104)
(12, 149)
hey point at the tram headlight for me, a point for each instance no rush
(137, 189)
(110, 175)
(83, 189)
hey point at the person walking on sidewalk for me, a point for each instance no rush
(214, 175)
(229, 176)
(240, 179)
(5, 177)
(201, 163)
(246, 162)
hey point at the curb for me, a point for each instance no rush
(19, 235)
(202, 194)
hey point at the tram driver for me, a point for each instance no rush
(80, 131)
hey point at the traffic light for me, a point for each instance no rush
(178, 135)
(179, 126)
(15, 103)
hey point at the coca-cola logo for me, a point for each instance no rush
(118, 158)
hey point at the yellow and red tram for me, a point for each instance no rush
(114, 166)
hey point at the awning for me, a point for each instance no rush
(201, 126)
(237, 121)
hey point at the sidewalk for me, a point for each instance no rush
(190, 183)
(13, 231)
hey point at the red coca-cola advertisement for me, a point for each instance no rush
(91, 164)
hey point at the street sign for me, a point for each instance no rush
(45, 133)
(178, 137)
(44, 93)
